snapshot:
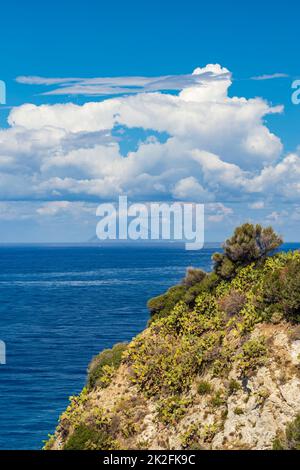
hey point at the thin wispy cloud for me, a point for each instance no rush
(101, 86)
(36, 80)
(110, 86)
(270, 76)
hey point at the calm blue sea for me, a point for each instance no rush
(59, 306)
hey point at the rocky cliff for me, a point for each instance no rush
(217, 368)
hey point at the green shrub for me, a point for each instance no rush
(170, 410)
(195, 283)
(276, 317)
(281, 290)
(204, 388)
(249, 243)
(193, 276)
(233, 302)
(101, 368)
(74, 411)
(191, 439)
(208, 284)
(238, 411)
(161, 306)
(209, 432)
(253, 355)
(48, 443)
(277, 444)
(233, 386)
(164, 364)
(218, 399)
(223, 361)
(291, 438)
(89, 438)
(191, 295)
(223, 266)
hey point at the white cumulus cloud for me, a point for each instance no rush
(216, 147)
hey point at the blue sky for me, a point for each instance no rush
(127, 39)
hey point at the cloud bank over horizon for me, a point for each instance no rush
(215, 148)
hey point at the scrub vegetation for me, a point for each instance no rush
(202, 332)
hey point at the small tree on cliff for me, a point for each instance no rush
(248, 244)
(193, 276)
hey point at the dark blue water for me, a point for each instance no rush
(59, 306)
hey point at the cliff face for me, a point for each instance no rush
(220, 369)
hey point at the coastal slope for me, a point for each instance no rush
(218, 366)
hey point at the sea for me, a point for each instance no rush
(62, 304)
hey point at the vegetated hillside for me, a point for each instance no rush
(217, 368)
